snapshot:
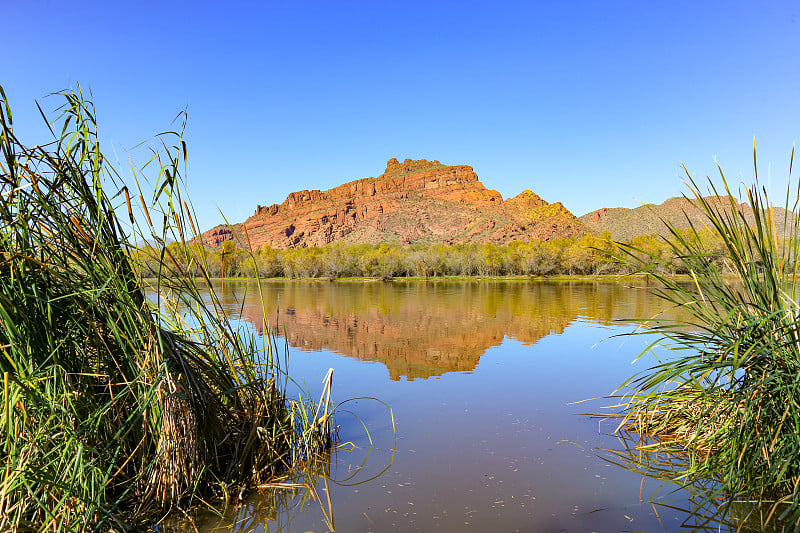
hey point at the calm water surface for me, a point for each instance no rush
(482, 378)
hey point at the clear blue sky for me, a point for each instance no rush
(594, 104)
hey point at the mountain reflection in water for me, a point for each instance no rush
(423, 329)
(496, 440)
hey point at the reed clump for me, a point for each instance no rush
(684, 419)
(725, 405)
(118, 404)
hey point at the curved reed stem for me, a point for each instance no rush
(728, 399)
(116, 405)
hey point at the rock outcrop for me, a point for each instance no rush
(412, 201)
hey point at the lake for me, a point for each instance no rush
(482, 378)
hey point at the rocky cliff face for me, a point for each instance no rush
(412, 201)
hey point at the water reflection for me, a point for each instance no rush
(279, 505)
(706, 509)
(494, 442)
(419, 330)
(288, 497)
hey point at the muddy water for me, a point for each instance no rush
(482, 379)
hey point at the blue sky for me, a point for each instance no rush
(594, 104)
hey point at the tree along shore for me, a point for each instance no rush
(591, 255)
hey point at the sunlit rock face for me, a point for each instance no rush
(412, 201)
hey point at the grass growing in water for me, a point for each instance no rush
(115, 407)
(727, 404)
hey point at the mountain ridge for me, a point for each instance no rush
(625, 223)
(421, 201)
(413, 201)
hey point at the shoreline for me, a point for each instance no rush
(582, 278)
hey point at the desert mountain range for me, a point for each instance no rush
(421, 201)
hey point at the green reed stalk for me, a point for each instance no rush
(728, 400)
(116, 407)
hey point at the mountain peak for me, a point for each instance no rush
(410, 166)
(413, 201)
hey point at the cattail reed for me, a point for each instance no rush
(116, 409)
(724, 405)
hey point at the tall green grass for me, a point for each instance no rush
(117, 406)
(722, 412)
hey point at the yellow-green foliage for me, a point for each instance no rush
(589, 255)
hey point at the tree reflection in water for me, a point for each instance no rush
(483, 378)
(419, 330)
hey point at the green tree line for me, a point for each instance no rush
(589, 255)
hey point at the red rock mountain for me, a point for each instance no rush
(413, 201)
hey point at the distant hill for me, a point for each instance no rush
(625, 224)
(413, 201)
